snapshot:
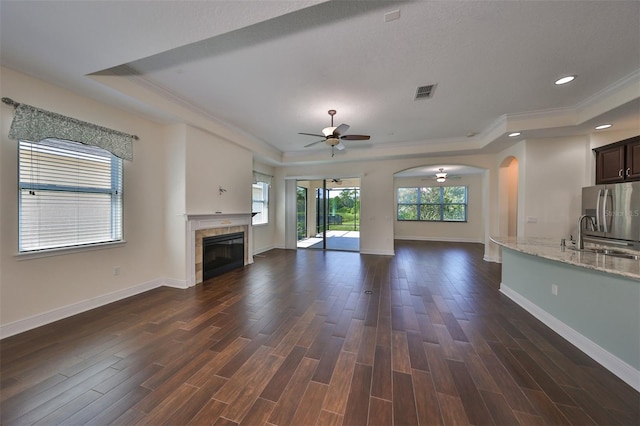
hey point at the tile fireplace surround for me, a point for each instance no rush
(200, 226)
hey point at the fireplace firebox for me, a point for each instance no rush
(222, 253)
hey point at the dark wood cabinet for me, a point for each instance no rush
(618, 162)
(632, 172)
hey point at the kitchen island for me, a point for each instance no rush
(591, 299)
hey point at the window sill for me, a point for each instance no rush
(67, 250)
(257, 225)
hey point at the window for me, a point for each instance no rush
(436, 203)
(70, 195)
(260, 203)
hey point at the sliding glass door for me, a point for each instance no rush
(332, 214)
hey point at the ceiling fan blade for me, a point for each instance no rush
(355, 137)
(312, 134)
(313, 143)
(339, 147)
(340, 129)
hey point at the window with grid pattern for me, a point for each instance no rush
(433, 204)
(70, 195)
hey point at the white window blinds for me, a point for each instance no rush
(70, 195)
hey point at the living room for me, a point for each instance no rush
(180, 165)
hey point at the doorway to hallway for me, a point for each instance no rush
(328, 214)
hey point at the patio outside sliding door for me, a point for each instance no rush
(330, 208)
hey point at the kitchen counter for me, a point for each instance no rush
(549, 248)
(590, 299)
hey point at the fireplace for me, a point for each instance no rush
(222, 253)
(201, 226)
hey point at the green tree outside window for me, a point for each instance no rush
(432, 204)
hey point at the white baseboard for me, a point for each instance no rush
(608, 360)
(443, 239)
(26, 324)
(496, 259)
(263, 249)
(172, 282)
(378, 252)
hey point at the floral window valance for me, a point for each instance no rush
(35, 124)
(261, 177)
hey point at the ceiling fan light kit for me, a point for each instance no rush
(441, 176)
(333, 136)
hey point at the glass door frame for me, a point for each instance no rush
(322, 206)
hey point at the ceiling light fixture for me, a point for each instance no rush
(603, 126)
(514, 134)
(565, 80)
(441, 176)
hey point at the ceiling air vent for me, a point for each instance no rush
(425, 92)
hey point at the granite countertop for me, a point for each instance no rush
(549, 248)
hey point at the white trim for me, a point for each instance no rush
(262, 250)
(608, 360)
(442, 239)
(57, 314)
(38, 254)
(174, 283)
(496, 259)
(379, 252)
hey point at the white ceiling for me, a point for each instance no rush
(271, 69)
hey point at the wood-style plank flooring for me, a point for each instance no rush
(314, 338)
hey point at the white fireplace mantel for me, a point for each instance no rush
(197, 221)
(216, 220)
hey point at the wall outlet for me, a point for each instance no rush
(554, 289)
(116, 270)
(532, 219)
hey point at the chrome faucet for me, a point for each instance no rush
(580, 241)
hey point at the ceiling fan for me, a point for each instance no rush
(441, 176)
(333, 136)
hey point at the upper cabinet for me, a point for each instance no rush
(618, 162)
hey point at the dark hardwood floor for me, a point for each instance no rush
(297, 339)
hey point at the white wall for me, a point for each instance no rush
(212, 163)
(175, 203)
(50, 285)
(553, 183)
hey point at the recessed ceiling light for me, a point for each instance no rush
(565, 80)
(514, 134)
(603, 126)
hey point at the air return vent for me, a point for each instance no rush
(425, 92)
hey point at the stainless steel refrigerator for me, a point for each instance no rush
(615, 213)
